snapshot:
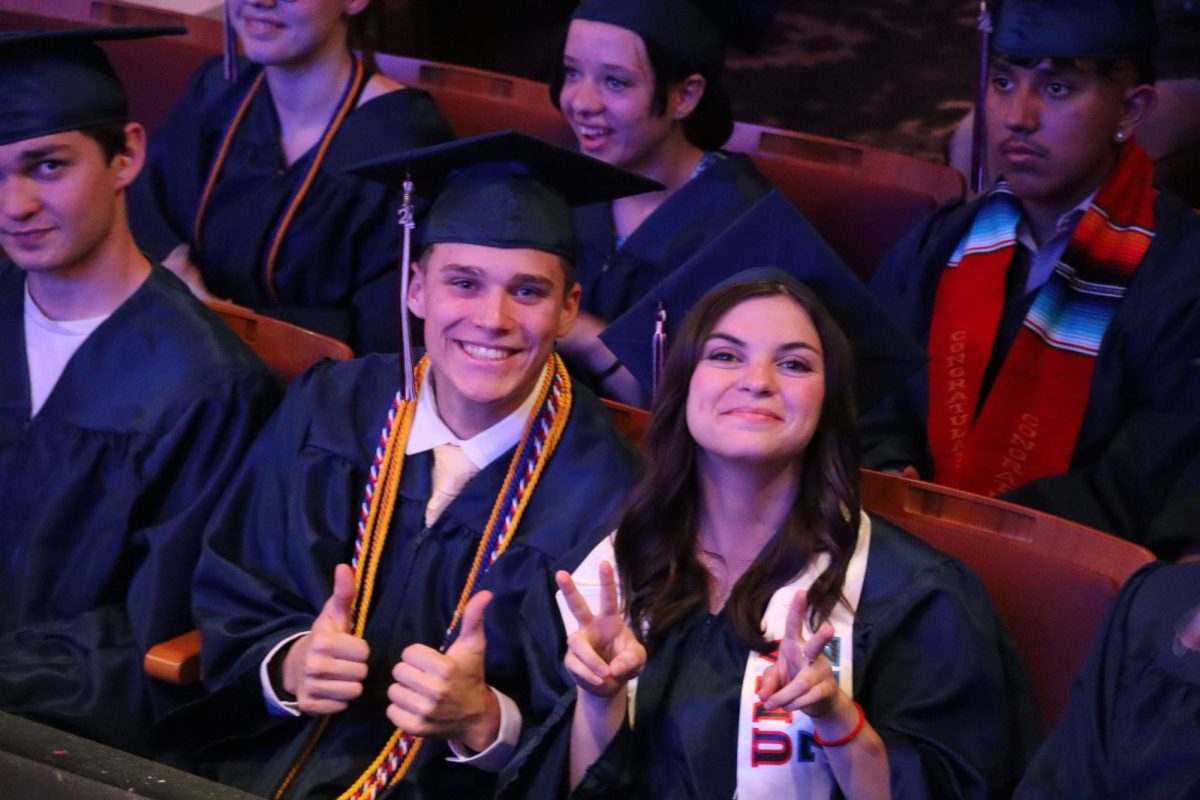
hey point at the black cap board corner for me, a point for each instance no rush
(770, 237)
(504, 189)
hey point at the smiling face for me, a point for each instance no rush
(491, 318)
(607, 96)
(292, 32)
(60, 201)
(1052, 129)
(757, 391)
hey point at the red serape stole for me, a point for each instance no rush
(1031, 418)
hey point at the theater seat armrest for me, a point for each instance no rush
(176, 660)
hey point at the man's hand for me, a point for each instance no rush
(325, 670)
(445, 695)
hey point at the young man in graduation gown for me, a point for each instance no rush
(125, 405)
(341, 621)
(1131, 725)
(1060, 309)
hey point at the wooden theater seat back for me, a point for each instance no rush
(632, 422)
(476, 101)
(1051, 580)
(286, 348)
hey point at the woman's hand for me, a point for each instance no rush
(802, 679)
(603, 655)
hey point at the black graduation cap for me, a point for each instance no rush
(1076, 29)
(773, 235)
(60, 80)
(505, 190)
(693, 31)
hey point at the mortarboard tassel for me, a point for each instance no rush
(979, 169)
(230, 38)
(406, 228)
(658, 347)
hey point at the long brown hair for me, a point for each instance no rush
(662, 580)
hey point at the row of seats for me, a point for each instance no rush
(861, 199)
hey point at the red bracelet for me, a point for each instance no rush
(849, 737)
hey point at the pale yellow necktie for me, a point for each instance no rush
(451, 471)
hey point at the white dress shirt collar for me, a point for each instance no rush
(429, 431)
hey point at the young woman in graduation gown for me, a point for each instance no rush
(244, 194)
(788, 644)
(639, 84)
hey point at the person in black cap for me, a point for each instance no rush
(124, 404)
(1060, 310)
(323, 605)
(245, 193)
(1170, 133)
(788, 644)
(1131, 729)
(640, 85)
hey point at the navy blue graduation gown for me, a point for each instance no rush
(1141, 426)
(613, 279)
(291, 518)
(934, 669)
(103, 498)
(337, 267)
(1132, 727)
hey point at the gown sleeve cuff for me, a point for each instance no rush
(275, 704)
(496, 755)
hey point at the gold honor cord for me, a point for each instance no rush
(345, 105)
(548, 421)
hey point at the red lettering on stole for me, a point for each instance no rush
(770, 748)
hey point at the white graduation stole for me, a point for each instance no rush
(776, 754)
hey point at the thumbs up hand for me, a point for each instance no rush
(445, 695)
(325, 670)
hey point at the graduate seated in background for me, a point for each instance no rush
(355, 618)
(1060, 310)
(1170, 132)
(1132, 728)
(788, 644)
(245, 195)
(125, 406)
(639, 84)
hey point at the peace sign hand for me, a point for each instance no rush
(802, 680)
(603, 655)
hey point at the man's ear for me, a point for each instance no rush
(416, 289)
(1139, 101)
(570, 310)
(130, 162)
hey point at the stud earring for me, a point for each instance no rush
(1120, 136)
